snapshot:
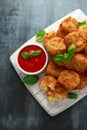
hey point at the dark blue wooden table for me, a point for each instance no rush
(19, 21)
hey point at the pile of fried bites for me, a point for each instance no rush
(63, 77)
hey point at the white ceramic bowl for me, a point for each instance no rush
(38, 71)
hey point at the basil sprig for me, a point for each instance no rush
(40, 36)
(81, 23)
(30, 79)
(66, 56)
(72, 95)
(27, 55)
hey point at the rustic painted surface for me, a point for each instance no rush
(19, 21)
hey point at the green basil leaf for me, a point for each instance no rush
(30, 79)
(25, 55)
(66, 55)
(58, 58)
(72, 95)
(81, 23)
(36, 53)
(40, 36)
(71, 50)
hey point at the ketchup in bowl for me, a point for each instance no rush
(35, 64)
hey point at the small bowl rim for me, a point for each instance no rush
(39, 71)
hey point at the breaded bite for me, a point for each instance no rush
(83, 81)
(55, 46)
(83, 29)
(49, 35)
(84, 51)
(77, 38)
(48, 82)
(68, 25)
(69, 79)
(59, 93)
(78, 63)
(53, 70)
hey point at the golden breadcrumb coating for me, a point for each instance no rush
(83, 81)
(83, 29)
(59, 93)
(53, 70)
(55, 46)
(84, 51)
(69, 79)
(67, 25)
(48, 82)
(49, 35)
(77, 38)
(78, 63)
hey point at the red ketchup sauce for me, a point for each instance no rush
(32, 64)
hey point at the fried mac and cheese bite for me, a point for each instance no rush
(69, 79)
(53, 70)
(59, 93)
(78, 63)
(67, 25)
(77, 38)
(55, 46)
(48, 82)
(48, 36)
